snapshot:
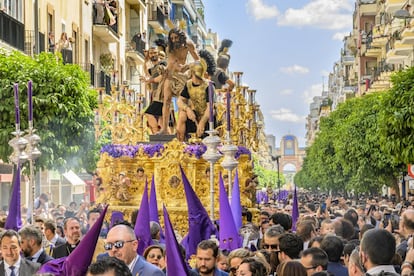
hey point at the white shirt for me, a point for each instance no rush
(36, 255)
(54, 239)
(16, 268)
(378, 269)
(132, 264)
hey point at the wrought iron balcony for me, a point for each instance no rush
(156, 18)
(101, 28)
(11, 31)
(89, 68)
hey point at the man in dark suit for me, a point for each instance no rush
(31, 243)
(12, 263)
(72, 230)
(333, 246)
(122, 243)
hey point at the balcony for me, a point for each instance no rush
(407, 36)
(367, 8)
(11, 31)
(403, 49)
(90, 69)
(156, 18)
(349, 89)
(103, 80)
(136, 2)
(393, 5)
(373, 52)
(392, 58)
(67, 56)
(29, 42)
(105, 33)
(100, 29)
(135, 51)
(348, 60)
(379, 38)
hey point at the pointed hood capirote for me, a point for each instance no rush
(14, 218)
(235, 204)
(78, 261)
(295, 210)
(142, 224)
(229, 235)
(176, 265)
(200, 227)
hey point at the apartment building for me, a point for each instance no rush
(380, 43)
(107, 38)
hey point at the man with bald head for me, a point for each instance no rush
(406, 229)
(122, 244)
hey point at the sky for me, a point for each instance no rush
(285, 49)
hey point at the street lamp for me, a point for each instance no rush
(276, 158)
(402, 14)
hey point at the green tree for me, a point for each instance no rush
(397, 117)
(267, 177)
(347, 153)
(63, 109)
(359, 149)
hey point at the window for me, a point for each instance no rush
(14, 8)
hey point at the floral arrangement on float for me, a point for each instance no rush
(156, 150)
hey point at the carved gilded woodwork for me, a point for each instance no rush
(168, 182)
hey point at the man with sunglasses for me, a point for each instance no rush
(270, 241)
(122, 244)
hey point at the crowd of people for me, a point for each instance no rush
(368, 236)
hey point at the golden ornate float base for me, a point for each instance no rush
(167, 177)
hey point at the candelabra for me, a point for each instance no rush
(33, 153)
(25, 147)
(212, 156)
(229, 162)
(120, 114)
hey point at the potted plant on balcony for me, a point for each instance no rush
(107, 62)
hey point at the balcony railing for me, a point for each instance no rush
(137, 44)
(11, 31)
(89, 68)
(30, 42)
(99, 18)
(157, 15)
(103, 80)
(67, 56)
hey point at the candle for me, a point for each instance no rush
(100, 98)
(16, 103)
(228, 97)
(129, 97)
(29, 96)
(116, 117)
(96, 118)
(211, 101)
